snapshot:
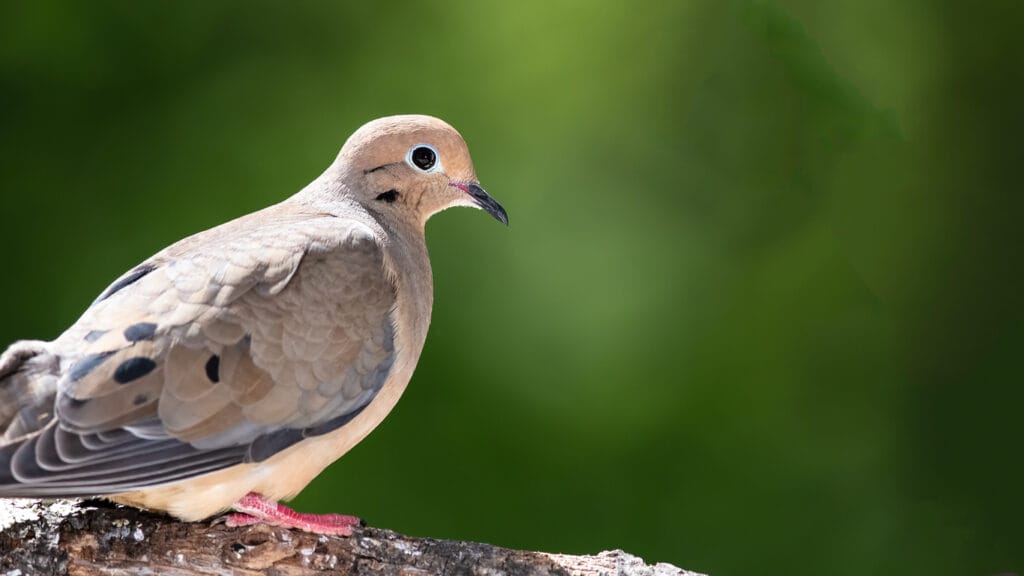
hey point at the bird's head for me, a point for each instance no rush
(412, 167)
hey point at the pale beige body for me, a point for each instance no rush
(307, 314)
(286, 474)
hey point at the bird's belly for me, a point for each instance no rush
(280, 477)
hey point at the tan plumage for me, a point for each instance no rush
(250, 356)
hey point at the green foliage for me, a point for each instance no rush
(758, 308)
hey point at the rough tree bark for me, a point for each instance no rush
(63, 537)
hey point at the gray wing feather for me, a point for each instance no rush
(226, 348)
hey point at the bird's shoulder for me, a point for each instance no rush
(263, 249)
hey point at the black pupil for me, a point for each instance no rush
(423, 158)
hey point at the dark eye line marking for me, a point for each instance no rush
(389, 196)
(381, 167)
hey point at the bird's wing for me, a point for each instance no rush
(225, 348)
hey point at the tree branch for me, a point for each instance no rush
(63, 537)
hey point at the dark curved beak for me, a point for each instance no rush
(482, 199)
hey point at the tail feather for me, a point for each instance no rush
(28, 386)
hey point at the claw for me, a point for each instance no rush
(255, 509)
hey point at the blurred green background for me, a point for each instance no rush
(758, 308)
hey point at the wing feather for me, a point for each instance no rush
(226, 348)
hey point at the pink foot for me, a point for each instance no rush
(255, 509)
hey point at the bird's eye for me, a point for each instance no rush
(423, 157)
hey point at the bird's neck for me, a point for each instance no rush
(406, 250)
(408, 265)
(404, 245)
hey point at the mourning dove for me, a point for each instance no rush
(228, 370)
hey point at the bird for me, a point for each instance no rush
(225, 372)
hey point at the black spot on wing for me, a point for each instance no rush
(87, 364)
(213, 368)
(94, 335)
(133, 368)
(127, 280)
(140, 331)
